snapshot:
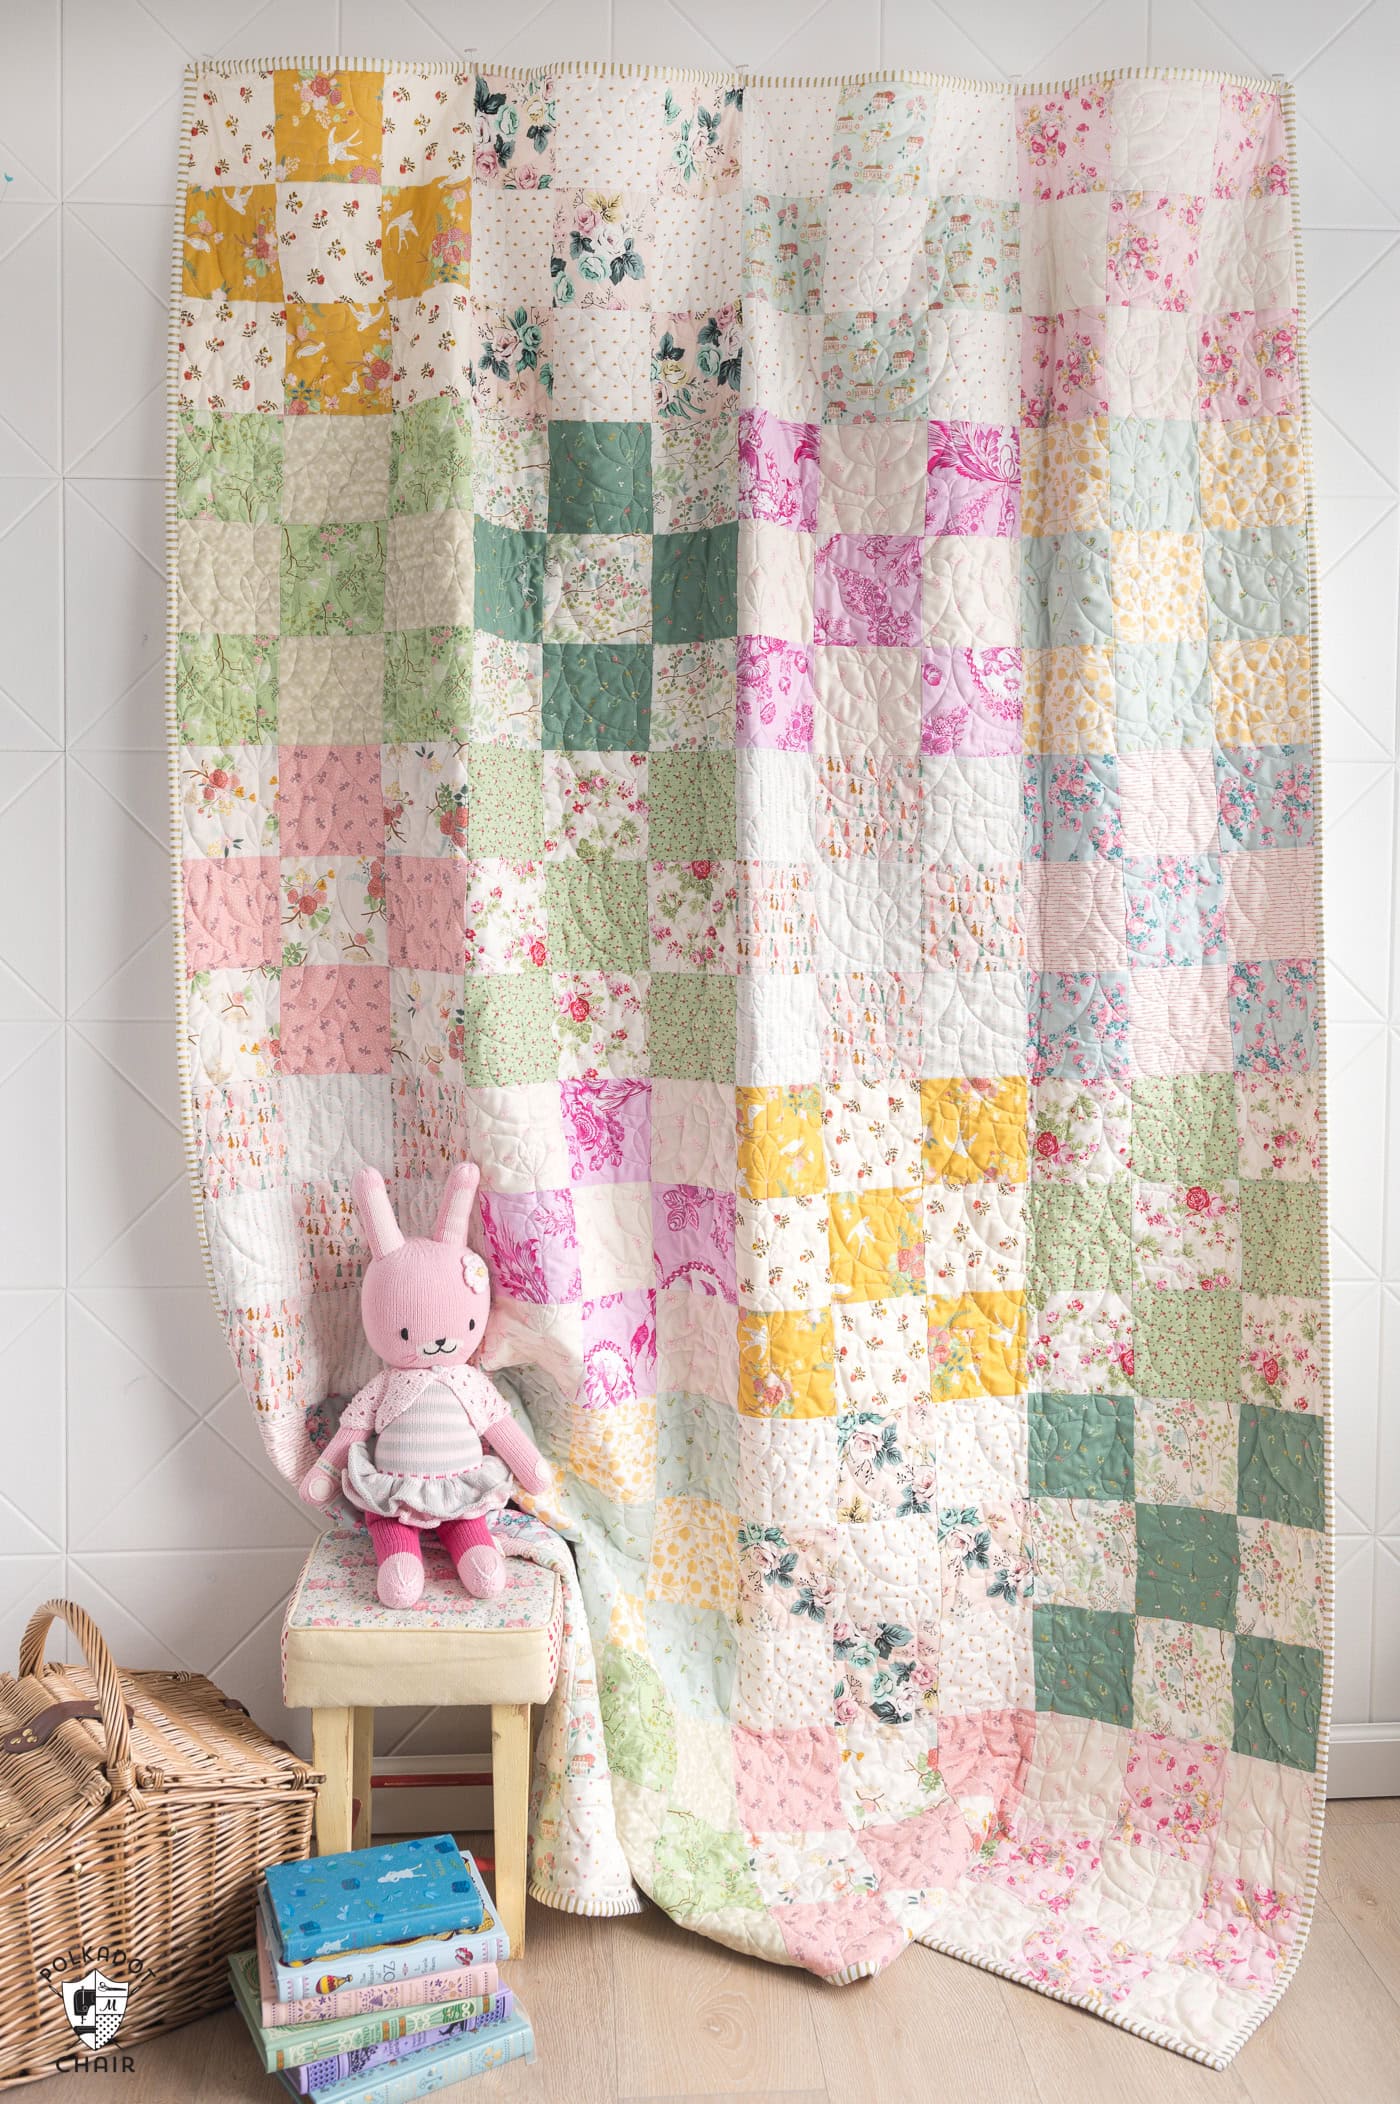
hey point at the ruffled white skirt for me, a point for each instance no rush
(425, 1501)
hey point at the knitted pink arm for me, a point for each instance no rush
(519, 1453)
(322, 1480)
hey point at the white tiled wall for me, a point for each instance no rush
(132, 1475)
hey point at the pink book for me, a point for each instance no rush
(363, 2001)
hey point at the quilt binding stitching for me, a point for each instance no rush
(620, 69)
(617, 69)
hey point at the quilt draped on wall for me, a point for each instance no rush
(742, 654)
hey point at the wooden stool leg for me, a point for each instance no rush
(332, 1751)
(361, 1771)
(510, 1797)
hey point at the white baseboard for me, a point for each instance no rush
(1365, 1761)
(441, 1804)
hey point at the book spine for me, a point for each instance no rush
(457, 1986)
(383, 1967)
(305, 1946)
(378, 1969)
(376, 2030)
(404, 2084)
(340, 2067)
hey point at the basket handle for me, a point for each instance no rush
(120, 1773)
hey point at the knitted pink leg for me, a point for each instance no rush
(480, 1565)
(399, 1554)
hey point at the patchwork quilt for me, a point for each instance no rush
(742, 654)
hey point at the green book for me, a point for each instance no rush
(285, 2046)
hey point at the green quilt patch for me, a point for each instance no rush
(1281, 1224)
(427, 684)
(430, 459)
(692, 806)
(509, 581)
(1186, 1343)
(695, 584)
(228, 467)
(692, 1026)
(226, 689)
(508, 1030)
(333, 579)
(1081, 1446)
(1187, 1565)
(637, 1719)
(1184, 1129)
(597, 916)
(1278, 1700)
(1081, 1237)
(597, 697)
(699, 1870)
(599, 477)
(505, 812)
(1084, 1663)
(1281, 1466)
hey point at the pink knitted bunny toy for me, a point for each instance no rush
(409, 1450)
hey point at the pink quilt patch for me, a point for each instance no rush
(427, 910)
(778, 471)
(971, 699)
(329, 800)
(775, 695)
(838, 1935)
(232, 914)
(868, 589)
(786, 1781)
(335, 1019)
(974, 480)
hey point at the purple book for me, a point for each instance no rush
(320, 2074)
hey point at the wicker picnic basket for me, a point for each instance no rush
(135, 1812)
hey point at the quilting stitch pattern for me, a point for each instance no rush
(743, 657)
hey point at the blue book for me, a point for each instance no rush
(402, 1891)
(385, 1965)
(511, 2039)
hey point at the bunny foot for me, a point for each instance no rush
(482, 1571)
(401, 1579)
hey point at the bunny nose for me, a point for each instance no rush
(442, 1340)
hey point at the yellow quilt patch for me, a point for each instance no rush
(694, 1555)
(329, 126)
(1068, 699)
(1252, 472)
(1064, 477)
(780, 1142)
(787, 1364)
(1159, 588)
(339, 359)
(1261, 690)
(231, 244)
(976, 1345)
(427, 237)
(974, 1131)
(615, 1449)
(877, 1244)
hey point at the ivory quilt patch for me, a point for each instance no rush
(742, 654)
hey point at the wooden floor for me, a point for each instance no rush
(637, 2009)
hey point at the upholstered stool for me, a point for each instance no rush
(344, 1656)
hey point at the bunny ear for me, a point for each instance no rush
(376, 1213)
(455, 1212)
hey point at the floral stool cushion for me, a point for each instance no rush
(342, 1649)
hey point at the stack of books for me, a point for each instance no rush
(375, 1975)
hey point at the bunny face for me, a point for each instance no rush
(424, 1301)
